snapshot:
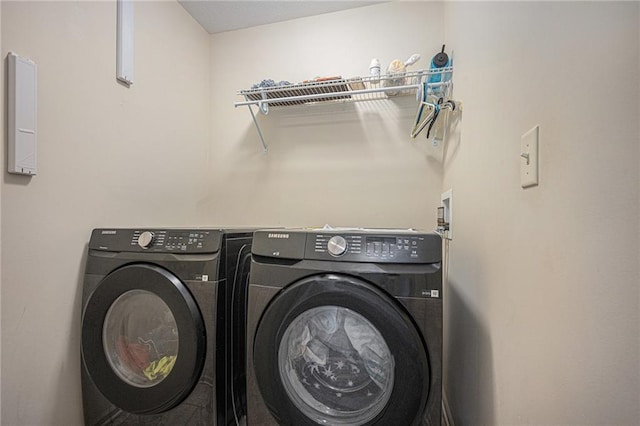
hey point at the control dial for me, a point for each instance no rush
(145, 239)
(337, 245)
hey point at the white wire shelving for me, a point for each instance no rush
(339, 90)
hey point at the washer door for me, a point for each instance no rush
(334, 349)
(143, 339)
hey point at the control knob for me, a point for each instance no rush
(145, 239)
(337, 246)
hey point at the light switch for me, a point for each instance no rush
(529, 158)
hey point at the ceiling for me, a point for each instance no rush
(217, 16)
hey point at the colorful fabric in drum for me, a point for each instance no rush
(161, 367)
(134, 355)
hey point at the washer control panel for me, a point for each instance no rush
(156, 240)
(372, 247)
(170, 241)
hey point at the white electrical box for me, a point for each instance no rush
(22, 115)
(446, 201)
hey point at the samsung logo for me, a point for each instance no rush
(109, 232)
(280, 236)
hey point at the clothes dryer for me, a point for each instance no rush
(344, 328)
(154, 320)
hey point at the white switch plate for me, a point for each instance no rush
(529, 158)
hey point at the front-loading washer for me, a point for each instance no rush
(344, 327)
(154, 324)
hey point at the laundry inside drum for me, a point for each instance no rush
(140, 338)
(336, 366)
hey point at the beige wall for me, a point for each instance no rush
(2, 161)
(107, 156)
(346, 165)
(542, 302)
(542, 299)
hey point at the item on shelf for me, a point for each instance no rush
(396, 67)
(320, 79)
(396, 72)
(269, 89)
(374, 71)
(356, 83)
(439, 60)
(412, 59)
(270, 83)
(321, 85)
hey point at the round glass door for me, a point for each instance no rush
(332, 349)
(335, 366)
(143, 338)
(140, 338)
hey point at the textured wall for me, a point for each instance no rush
(107, 156)
(2, 161)
(350, 164)
(542, 301)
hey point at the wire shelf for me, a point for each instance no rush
(348, 90)
(437, 82)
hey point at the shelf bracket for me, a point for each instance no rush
(264, 105)
(255, 121)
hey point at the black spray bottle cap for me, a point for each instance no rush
(441, 59)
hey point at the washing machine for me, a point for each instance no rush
(344, 327)
(155, 311)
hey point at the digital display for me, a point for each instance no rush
(383, 240)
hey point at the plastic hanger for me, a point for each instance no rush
(423, 107)
(433, 109)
